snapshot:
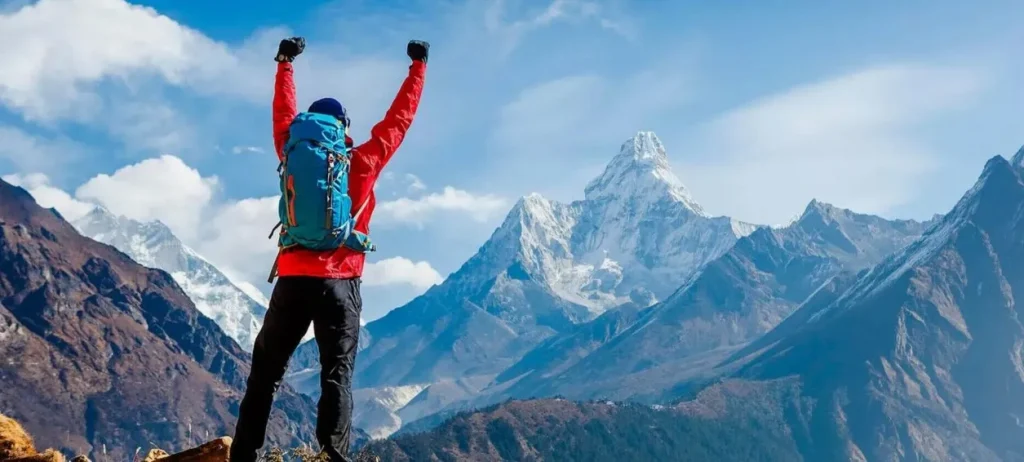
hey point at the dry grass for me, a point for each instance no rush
(15, 442)
(48, 455)
(17, 446)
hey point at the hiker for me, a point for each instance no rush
(323, 240)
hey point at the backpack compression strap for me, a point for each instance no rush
(361, 243)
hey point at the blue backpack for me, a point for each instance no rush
(315, 210)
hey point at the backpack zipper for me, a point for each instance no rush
(290, 188)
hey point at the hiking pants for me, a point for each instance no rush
(333, 306)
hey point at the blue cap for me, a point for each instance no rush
(331, 107)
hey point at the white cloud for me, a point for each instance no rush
(512, 32)
(162, 188)
(247, 150)
(145, 79)
(38, 185)
(415, 184)
(399, 270)
(418, 211)
(559, 134)
(551, 110)
(848, 140)
(64, 45)
(30, 153)
(237, 237)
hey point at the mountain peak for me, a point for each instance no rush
(1018, 159)
(641, 169)
(645, 149)
(821, 209)
(997, 175)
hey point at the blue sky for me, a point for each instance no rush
(160, 109)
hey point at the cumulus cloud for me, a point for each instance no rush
(848, 140)
(399, 270)
(417, 211)
(46, 195)
(237, 236)
(143, 78)
(64, 45)
(163, 188)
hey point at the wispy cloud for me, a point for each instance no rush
(559, 133)
(512, 31)
(848, 140)
(248, 150)
(415, 183)
(28, 152)
(422, 209)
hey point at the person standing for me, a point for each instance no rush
(319, 267)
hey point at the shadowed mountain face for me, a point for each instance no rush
(103, 351)
(921, 359)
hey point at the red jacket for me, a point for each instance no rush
(367, 161)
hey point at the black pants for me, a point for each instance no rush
(333, 306)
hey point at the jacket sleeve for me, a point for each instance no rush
(387, 135)
(284, 105)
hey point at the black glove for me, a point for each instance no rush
(290, 48)
(417, 50)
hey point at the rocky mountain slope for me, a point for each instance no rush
(556, 429)
(101, 351)
(238, 312)
(921, 359)
(636, 236)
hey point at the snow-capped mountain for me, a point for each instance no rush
(636, 233)
(239, 312)
(635, 237)
(733, 300)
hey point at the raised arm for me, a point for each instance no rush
(284, 91)
(387, 135)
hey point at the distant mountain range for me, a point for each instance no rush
(106, 355)
(239, 312)
(626, 293)
(915, 357)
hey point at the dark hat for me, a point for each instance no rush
(331, 107)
